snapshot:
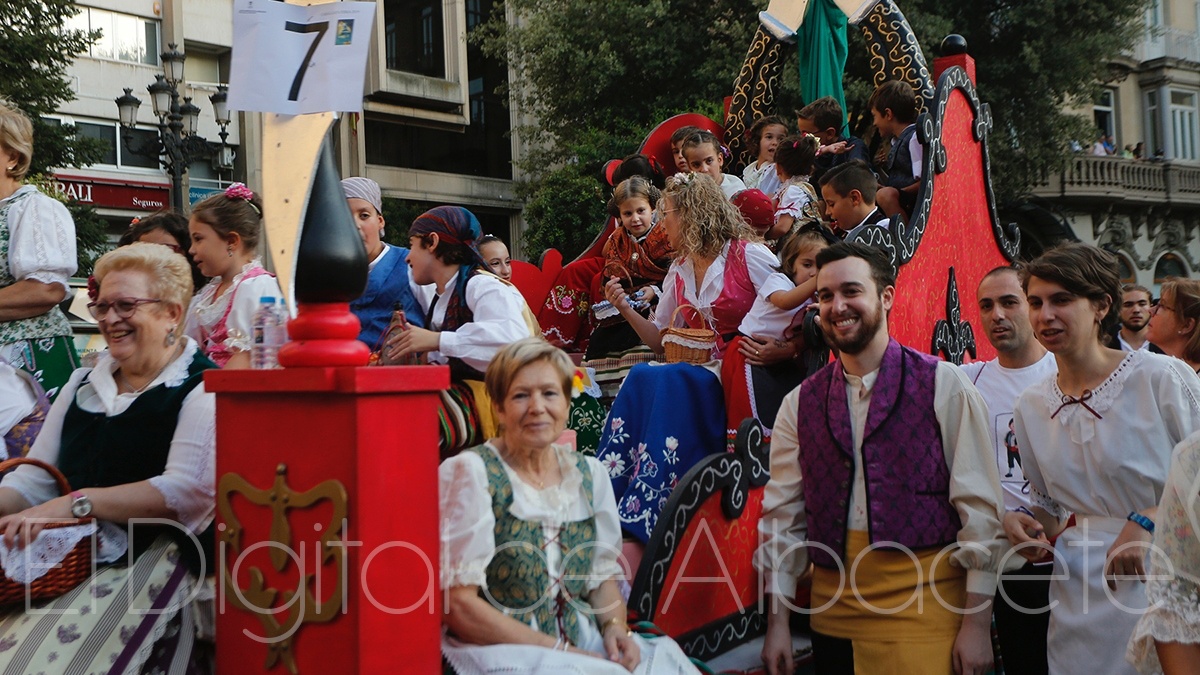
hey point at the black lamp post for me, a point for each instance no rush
(177, 144)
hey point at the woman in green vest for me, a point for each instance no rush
(135, 437)
(37, 258)
(531, 539)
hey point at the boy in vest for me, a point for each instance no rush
(1023, 607)
(849, 195)
(823, 118)
(883, 475)
(894, 110)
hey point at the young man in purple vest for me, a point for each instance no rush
(1023, 606)
(893, 494)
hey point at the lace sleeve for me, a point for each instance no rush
(605, 556)
(187, 484)
(246, 297)
(42, 247)
(468, 525)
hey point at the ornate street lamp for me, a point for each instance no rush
(178, 144)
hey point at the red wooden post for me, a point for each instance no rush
(373, 431)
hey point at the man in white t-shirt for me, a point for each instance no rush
(1020, 363)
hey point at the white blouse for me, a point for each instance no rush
(468, 524)
(760, 263)
(41, 244)
(17, 398)
(188, 482)
(207, 309)
(498, 321)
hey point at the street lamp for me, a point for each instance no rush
(177, 144)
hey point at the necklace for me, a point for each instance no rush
(523, 473)
(122, 380)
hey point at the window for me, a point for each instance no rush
(1183, 124)
(1104, 113)
(1170, 265)
(1153, 132)
(124, 37)
(120, 154)
(414, 37)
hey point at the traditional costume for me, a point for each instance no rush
(224, 324)
(37, 242)
(645, 260)
(99, 437)
(537, 554)
(23, 408)
(656, 444)
(1173, 586)
(1101, 456)
(863, 465)
(388, 285)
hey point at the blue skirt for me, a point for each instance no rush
(665, 419)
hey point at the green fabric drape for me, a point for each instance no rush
(821, 44)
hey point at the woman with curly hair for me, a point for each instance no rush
(667, 418)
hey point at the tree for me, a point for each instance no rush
(595, 81)
(35, 51)
(1037, 62)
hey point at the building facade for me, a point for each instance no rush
(1143, 208)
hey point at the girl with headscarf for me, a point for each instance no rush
(473, 316)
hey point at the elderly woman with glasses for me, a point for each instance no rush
(37, 258)
(135, 438)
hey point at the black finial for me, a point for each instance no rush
(954, 44)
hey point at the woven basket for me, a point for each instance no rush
(74, 568)
(688, 345)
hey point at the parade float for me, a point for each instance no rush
(327, 469)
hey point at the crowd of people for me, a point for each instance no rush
(1010, 488)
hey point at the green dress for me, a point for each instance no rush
(40, 345)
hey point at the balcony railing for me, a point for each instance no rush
(1169, 42)
(1090, 178)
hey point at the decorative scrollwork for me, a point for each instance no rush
(720, 636)
(753, 94)
(894, 52)
(258, 599)
(952, 336)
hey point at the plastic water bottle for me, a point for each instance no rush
(264, 353)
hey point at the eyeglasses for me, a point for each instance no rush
(1159, 304)
(124, 307)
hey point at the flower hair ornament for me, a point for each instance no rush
(240, 191)
(683, 178)
(135, 221)
(577, 386)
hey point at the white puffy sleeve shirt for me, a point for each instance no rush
(498, 322)
(468, 524)
(760, 264)
(188, 484)
(41, 240)
(974, 484)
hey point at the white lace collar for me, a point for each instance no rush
(104, 385)
(210, 308)
(551, 503)
(1101, 399)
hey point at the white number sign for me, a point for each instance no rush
(293, 59)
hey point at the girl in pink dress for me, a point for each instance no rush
(225, 229)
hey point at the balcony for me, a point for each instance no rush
(1093, 180)
(1169, 43)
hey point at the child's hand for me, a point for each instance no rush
(834, 148)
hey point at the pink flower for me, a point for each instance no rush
(239, 191)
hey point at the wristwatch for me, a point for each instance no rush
(82, 506)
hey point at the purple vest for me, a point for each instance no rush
(908, 482)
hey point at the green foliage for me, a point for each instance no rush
(598, 76)
(1035, 61)
(398, 215)
(35, 51)
(565, 211)
(91, 231)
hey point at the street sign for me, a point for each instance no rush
(293, 60)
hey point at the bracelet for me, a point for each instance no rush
(1143, 521)
(615, 621)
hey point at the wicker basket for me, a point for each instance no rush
(688, 345)
(74, 568)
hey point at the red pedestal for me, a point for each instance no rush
(965, 61)
(373, 432)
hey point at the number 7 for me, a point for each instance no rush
(320, 29)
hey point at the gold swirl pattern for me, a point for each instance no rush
(894, 52)
(753, 95)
